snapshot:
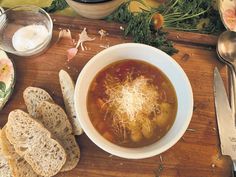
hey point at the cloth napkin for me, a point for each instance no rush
(41, 3)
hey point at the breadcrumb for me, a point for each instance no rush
(102, 33)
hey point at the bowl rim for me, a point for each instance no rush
(92, 5)
(111, 147)
(91, 2)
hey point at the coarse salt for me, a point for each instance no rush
(29, 37)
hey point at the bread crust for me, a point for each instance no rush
(5, 169)
(34, 143)
(68, 89)
(32, 97)
(18, 165)
(53, 117)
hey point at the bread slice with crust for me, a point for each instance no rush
(18, 165)
(33, 142)
(68, 89)
(4, 166)
(72, 151)
(32, 97)
(55, 120)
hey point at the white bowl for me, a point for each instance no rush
(95, 10)
(155, 57)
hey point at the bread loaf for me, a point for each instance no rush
(33, 142)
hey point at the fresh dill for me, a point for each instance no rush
(190, 15)
(148, 26)
(138, 26)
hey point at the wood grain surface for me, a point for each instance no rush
(197, 153)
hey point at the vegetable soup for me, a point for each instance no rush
(131, 103)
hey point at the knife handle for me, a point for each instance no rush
(233, 173)
(233, 168)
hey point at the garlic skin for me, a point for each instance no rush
(83, 37)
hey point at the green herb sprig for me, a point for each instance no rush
(190, 15)
(187, 15)
(56, 5)
(138, 26)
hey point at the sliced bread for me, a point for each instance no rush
(68, 89)
(6, 147)
(33, 142)
(4, 167)
(18, 165)
(72, 151)
(32, 97)
(55, 120)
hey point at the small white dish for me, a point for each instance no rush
(95, 10)
(155, 57)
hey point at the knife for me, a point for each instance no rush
(225, 120)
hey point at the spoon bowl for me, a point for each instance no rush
(227, 47)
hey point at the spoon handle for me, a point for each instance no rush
(232, 90)
(233, 97)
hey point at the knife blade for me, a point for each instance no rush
(225, 118)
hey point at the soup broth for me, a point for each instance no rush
(131, 103)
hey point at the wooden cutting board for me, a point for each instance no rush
(197, 153)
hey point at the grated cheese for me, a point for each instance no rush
(130, 101)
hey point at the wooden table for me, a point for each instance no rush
(197, 153)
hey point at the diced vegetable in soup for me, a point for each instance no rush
(131, 103)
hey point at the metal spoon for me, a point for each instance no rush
(227, 47)
(223, 56)
(226, 52)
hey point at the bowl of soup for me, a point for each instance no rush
(133, 100)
